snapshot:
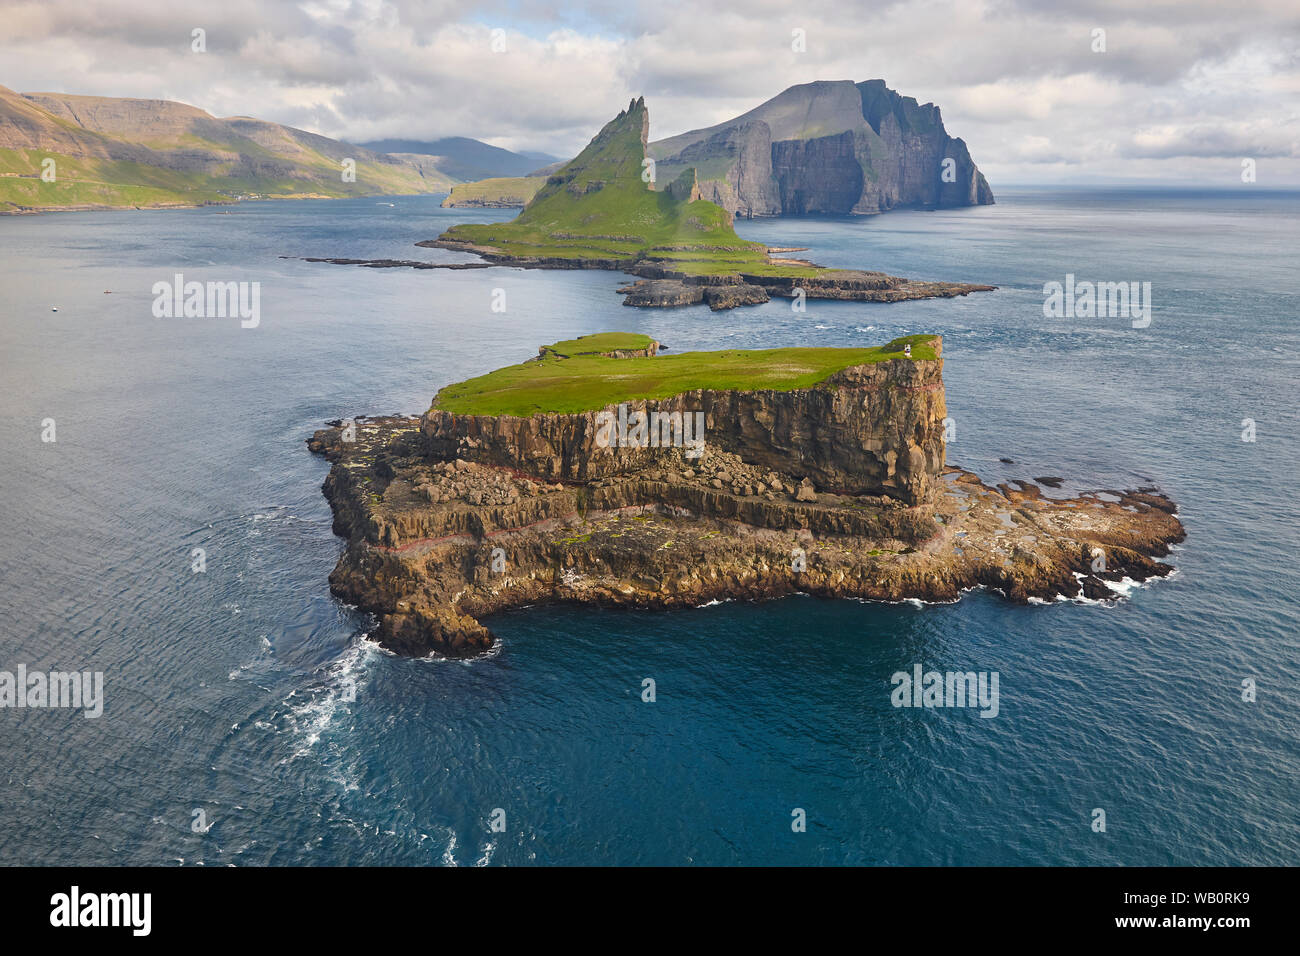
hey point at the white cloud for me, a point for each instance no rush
(1181, 90)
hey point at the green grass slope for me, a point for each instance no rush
(119, 152)
(573, 377)
(598, 206)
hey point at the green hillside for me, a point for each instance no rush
(599, 207)
(117, 152)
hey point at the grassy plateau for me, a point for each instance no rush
(574, 376)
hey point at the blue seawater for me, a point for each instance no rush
(228, 692)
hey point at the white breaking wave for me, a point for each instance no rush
(337, 692)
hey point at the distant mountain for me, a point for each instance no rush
(597, 212)
(598, 209)
(827, 148)
(110, 152)
(831, 147)
(550, 169)
(466, 159)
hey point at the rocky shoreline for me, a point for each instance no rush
(727, 292)
(661, 286)
(391, 263)
(450, 518)
(599, 212)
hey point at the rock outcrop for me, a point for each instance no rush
(669, 288)
(831, 148)
(838, 490)
(598, 212)
(686, 187)
(744, 150)
(866, 430)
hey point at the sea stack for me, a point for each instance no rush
(602, 473)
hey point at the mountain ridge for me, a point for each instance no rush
(464, 158)
(112, 152)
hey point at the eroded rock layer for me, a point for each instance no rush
(838, 492)
(869, 429)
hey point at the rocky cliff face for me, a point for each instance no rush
(436, 544)
(740, 158)
(925, 165)
(823, 174)
(867, 430)
(832, 148)
(837, 491)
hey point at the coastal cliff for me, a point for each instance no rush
(498, 193)
(823, 148)
(830, 148)
(866, 430)
(835, 487)
(599, 212)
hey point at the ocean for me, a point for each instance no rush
(247, 720)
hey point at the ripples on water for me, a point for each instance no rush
(249, 693)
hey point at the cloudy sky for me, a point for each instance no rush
(1184, 90)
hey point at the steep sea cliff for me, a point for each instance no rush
(839, 489)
